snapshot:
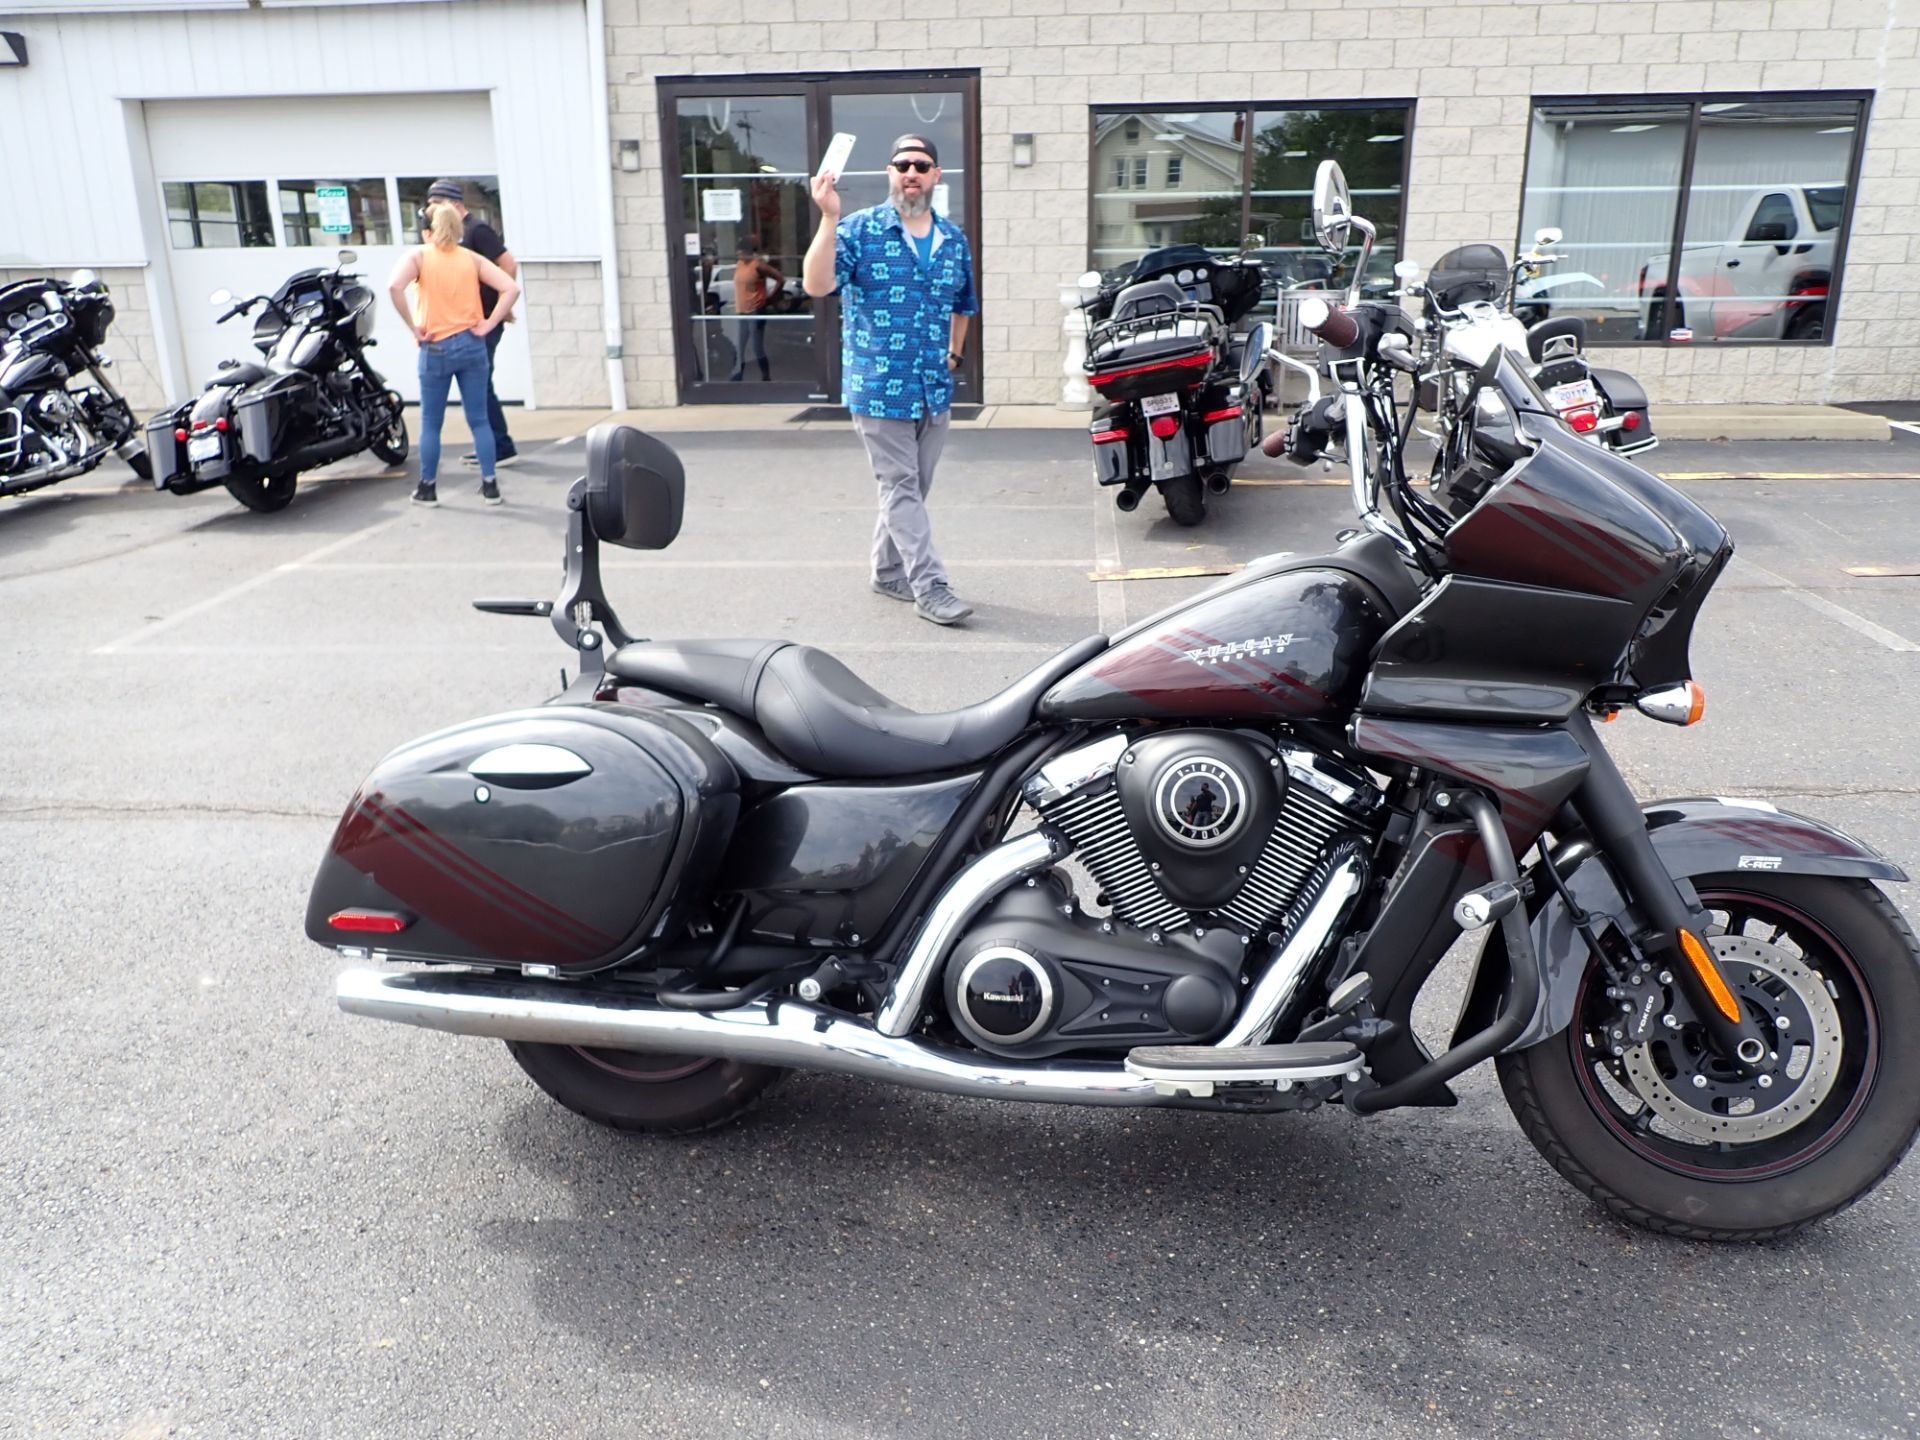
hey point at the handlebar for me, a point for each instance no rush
(1337, 328)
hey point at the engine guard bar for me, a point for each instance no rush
(1523, 995)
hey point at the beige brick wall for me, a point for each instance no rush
(1472, 67)
(130, 344)
(562, 314)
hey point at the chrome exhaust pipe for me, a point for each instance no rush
(1127, 501)
(1217, 482)
(780, 1032)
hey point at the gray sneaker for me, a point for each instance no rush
(942, 606)
(894, 590)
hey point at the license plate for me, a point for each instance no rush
(1160, 405)
(1571, 397)
(203, 447)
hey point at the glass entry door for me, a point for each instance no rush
(740, 218)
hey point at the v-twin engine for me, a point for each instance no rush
(1207, 846)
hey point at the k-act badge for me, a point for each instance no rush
(1200, 801)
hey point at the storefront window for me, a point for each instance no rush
(301, 218)
(218, 214)
(1763, 200)
(1241, 180)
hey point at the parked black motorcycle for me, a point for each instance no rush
(709, 861)
(1182, 394)
(59, 414)
(317, 398)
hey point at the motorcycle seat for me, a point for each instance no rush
(238, 372)
(826, 719)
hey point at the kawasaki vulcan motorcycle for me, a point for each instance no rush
(711, 861)
(59, 414)
(317, 398)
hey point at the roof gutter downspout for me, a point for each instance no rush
(603, 201)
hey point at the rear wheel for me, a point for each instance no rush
(635, 1090)
(267, 492)
(1809, 322)
(1669, 1137)
(1186, 499)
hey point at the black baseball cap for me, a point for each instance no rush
(916, 142)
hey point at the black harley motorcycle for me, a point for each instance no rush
(1182, 393)
(59, 414)
(710, 861)
(316, 399)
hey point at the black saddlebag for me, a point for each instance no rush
(572, 836)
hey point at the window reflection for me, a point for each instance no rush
(1765, 198)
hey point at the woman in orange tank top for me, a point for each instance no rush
(447, 321)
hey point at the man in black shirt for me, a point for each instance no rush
(484, 240)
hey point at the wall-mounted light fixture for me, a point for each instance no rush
(630, 155)
(1023, 150)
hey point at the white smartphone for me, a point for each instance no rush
(839, 151)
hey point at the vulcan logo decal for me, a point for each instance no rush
(1760, 862)
(1239, 649)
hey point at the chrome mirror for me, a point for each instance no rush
(347, 257)
(1332, 207)
(1546, 237)
(83, 277)
(220, 297)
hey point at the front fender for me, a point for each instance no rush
(1693, 837)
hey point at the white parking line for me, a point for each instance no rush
(167, 622)
(1905, 425)
(1859, 624)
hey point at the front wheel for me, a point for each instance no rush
(391, 445)
(1668, 1136)
(634, 1090)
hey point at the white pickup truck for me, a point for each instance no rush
(1768, 280)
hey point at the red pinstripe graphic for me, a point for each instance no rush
(457, 892)
(1498, 541)
(1564, 520)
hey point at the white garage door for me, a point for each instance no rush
(239, 182)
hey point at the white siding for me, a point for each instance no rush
(79, 97)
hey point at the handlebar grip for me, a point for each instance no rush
(1274, 445)
(1336, 327)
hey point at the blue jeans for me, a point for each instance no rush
(461, 357)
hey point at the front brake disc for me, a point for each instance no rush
(1707, 1104)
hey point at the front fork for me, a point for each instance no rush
(1672, 931)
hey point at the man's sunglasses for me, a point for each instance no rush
(918, 166)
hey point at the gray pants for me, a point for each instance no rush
(903, 454)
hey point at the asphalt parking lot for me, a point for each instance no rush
(227, 1210)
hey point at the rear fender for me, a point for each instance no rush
(1693, 837)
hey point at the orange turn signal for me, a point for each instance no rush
(1709, 973)
(1696, 702)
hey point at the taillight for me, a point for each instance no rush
(376, 922)
(1107, 437)
(1165, 427)
(1630, 420)
(180, 433)
(221, 424)
(1583, 420)
(1232, 412)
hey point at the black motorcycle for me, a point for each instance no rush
(316, 399)
(1182, 392)
(710, 861)
(59, 414)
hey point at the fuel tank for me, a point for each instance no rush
(1290, 641)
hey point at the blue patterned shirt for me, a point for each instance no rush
(895, 314)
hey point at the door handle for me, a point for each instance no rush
(1733, 264)
(529, 767)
